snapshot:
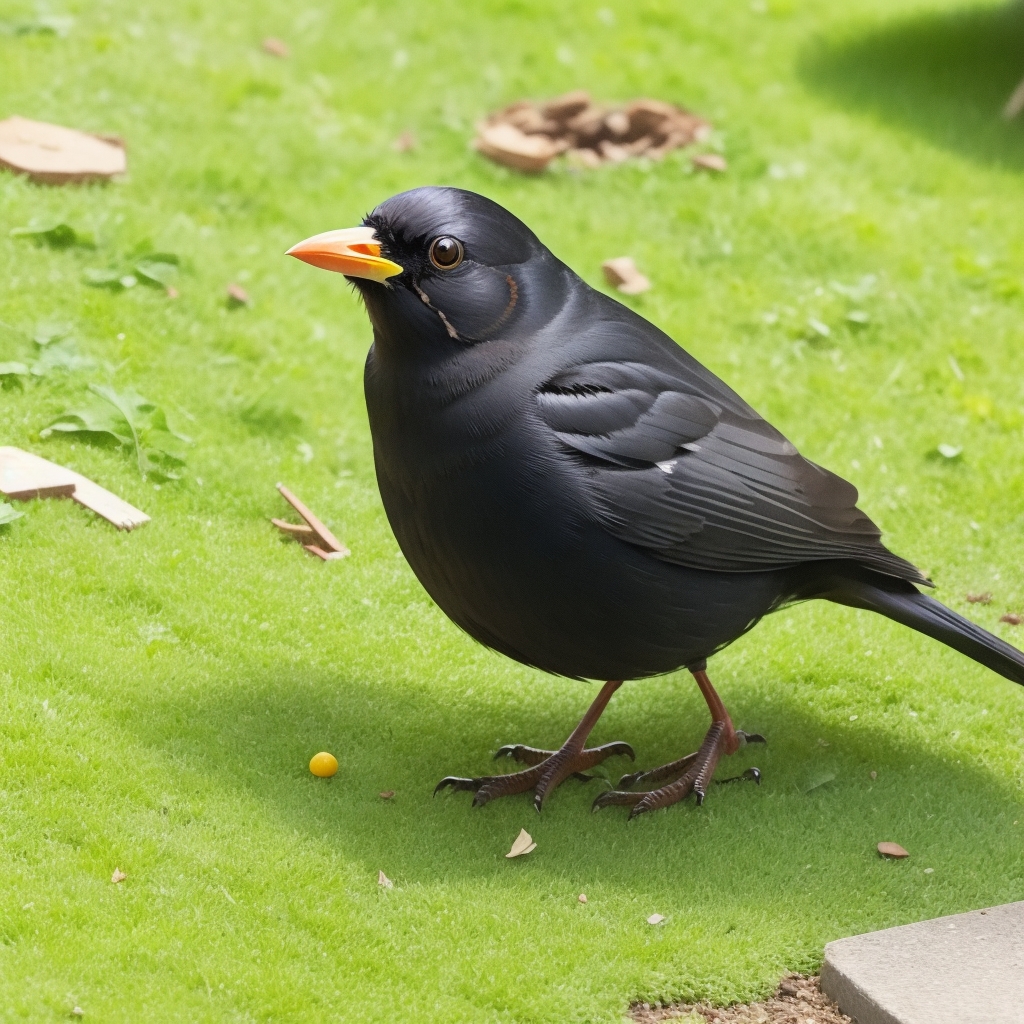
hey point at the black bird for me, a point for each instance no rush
(577, 492)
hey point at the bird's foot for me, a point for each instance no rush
(691, 774)
(548, 769)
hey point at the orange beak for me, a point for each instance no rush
(354, 252)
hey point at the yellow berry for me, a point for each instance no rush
(323, 765)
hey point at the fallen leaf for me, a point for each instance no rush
(524, 844)
(819, 779)
(383, 881)
(623, 274)
(8, 513)
(1012, 618)
(655, 919)
(710, 162)
(134, 422)
(387, 794)
(118, 876)
(582, 897)
(10, 372)
(55, 234)
(893, 850)
(276, 47)
(237, 296)
(157, 268)
(984, 598)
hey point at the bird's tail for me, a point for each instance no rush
(904, 603)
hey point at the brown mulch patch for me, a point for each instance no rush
(799, 1000)
(528, 136)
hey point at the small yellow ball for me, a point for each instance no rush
(323, 765)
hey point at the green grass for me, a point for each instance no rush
(163, 690)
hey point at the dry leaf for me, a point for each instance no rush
(655, 919)
(622, 273)
(892, 850)
(237, 295)
(383, 881)
(524, 844)
(387, 794)
(275, 47)
(118, 876)
(710, 162)
(582, 897)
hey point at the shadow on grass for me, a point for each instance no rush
(799, 848)
(945, 76)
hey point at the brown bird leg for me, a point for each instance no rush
(692, 773)
(549, 768)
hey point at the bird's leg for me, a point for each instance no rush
(548, 768)
(691, 774)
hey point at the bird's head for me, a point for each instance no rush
(442, 264)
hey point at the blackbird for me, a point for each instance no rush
(577, 492)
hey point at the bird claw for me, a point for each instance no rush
(458, 784)
(750, 775)
(749, 737)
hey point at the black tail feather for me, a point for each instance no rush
(900, 601)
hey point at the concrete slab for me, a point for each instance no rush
(964, 969)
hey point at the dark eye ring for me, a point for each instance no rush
(446, 252)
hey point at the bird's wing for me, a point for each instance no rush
(698, 478)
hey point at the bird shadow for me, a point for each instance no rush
(818, 806)
(943, 75)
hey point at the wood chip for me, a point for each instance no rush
(387, 794)
(383, 881)
(524, 844)
(319, 540)
(985, 598)
(54, 155)
(892, 850)
(276, 47)
(622, 273)
(655, 919)
(506, 144)
(27, 472)
(1012, 618)
(237, 295)
(118, 876)
(709, 162)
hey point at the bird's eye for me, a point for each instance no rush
(446, 252)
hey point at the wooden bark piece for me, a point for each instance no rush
(31, 476)
(54, 155)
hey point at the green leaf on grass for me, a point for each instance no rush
(44, 25)
(59, 353)
(13, 371)
(100, 277)
(134, 422)
(8, 513)
(157, 271)
(55, 234)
